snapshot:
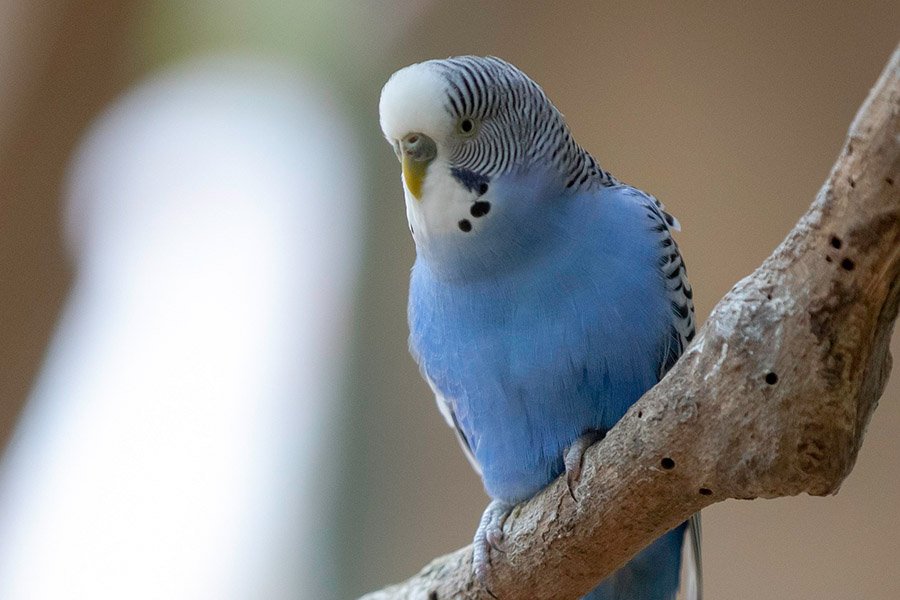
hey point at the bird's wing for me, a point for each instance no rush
(674, 272)
(446, 408)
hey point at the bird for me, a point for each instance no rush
(545, 298)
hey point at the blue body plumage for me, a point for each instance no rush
(531, 355)
(546, 296)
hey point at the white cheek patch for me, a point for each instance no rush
(446, 210)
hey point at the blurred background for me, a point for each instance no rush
(204, 384)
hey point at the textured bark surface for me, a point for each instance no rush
(772, 399)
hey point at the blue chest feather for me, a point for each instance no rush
(561, 326)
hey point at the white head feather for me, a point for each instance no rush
(415, 99)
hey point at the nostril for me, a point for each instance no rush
(418, 147)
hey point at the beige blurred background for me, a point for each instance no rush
(732, 113)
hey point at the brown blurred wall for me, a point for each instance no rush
(73, 59)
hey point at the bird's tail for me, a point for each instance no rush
(692, 561)
(653, 574)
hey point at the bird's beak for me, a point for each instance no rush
(417, 150)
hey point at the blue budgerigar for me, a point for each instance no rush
(546, 296)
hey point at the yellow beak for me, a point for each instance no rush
(414, 175)
(416, 151)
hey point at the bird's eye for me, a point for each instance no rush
(466, 127)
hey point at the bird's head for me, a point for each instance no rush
(462, 127)
(468, 114)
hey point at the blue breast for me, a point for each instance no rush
(561, 334)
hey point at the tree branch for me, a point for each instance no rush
(772, 399)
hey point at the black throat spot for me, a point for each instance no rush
(471, 180)
(480, 208)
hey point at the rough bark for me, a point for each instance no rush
(772, 399)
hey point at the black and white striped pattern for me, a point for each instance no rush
(674, 273)
(519, 124)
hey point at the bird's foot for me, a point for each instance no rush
(489, 536)
(575, 457)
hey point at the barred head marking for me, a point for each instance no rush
(487, 117)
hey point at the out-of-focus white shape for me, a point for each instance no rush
(179, 440)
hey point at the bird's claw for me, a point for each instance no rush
(494, 537)
(489, 536)
(574, 458)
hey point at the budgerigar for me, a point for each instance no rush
(546, 296)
